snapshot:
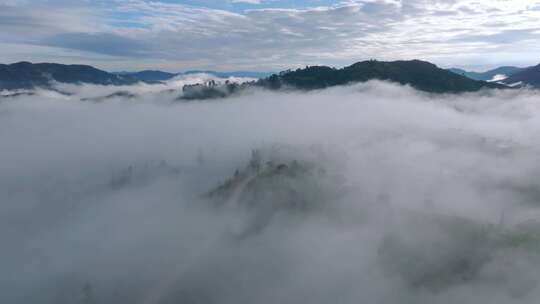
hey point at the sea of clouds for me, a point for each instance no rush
(421, 188)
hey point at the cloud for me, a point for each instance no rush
(399, 196)
(502, 37)
(13, 2)
(247, 1)
(275, 36)
(101, 43)
(338, 35)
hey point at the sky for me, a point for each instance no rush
(269, 35)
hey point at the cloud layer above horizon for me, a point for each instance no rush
(268, 35)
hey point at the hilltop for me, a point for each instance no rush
(26, 75)
(420, 75)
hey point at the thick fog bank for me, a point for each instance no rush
(372, 193)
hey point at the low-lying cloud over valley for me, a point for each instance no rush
(368, 193)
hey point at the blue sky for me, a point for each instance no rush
(241, 5)
(269, 35)
(287, 4)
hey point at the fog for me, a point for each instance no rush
(369, 193)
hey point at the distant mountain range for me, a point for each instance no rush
(148, 75)
(509, 75)
(244, 74)
(26, 75)
(156, 76)
(421, 75)
(529, 76)
(489, 75)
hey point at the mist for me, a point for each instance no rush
(398, 196)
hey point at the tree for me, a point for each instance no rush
(88, 295)
(256, 160)
(200, 157)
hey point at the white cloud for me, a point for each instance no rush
(402, 201)
(457, 32)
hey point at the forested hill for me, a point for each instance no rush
(490, 75)
(421, 75)
(26, 75)
(529, 76)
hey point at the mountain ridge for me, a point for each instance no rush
(422, 75)
(529, 76)
(490, 74)
(27, 75)
(418, 74)
(149, 75)
(157, 75)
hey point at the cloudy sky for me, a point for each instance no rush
(269, 35)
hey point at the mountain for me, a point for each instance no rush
(529, 76)
(244, 74)
(26, 75)
(421, 75)
(489, 75)
(149, 75)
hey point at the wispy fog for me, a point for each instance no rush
(402, 197)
